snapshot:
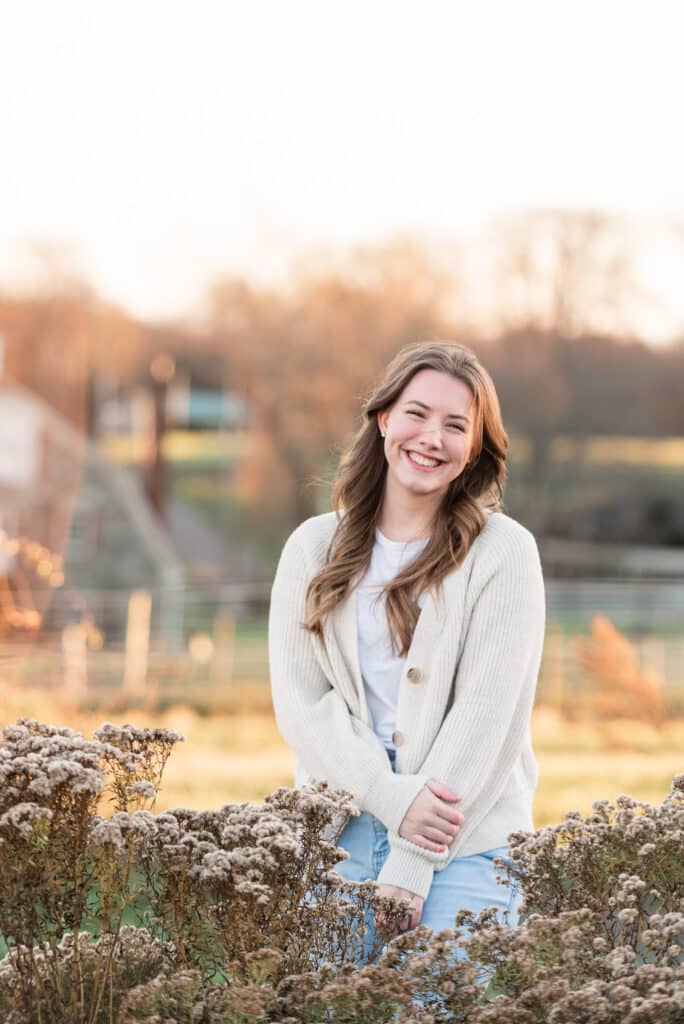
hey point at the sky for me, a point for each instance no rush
(161, 144)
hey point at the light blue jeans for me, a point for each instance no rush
(467, 883)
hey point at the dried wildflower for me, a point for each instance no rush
(25, 818)
(254, 924)
(135, 760)
(139, 957)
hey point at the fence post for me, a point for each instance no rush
(224, 650)
(137, 643)
(554, 667)
(74, 641)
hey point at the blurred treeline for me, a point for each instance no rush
(558, 338)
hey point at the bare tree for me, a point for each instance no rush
(305, 357)
(565, 272)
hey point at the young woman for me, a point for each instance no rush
(405, 636)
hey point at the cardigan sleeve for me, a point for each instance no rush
(488, 723)
(314, 719)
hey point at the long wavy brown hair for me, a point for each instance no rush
(359, 485)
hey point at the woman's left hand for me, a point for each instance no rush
(412, 920)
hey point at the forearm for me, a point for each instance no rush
(335, 746)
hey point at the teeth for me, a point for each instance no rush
(422, 460)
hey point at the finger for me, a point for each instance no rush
(437, 835)
(441, 828)
(442, 791)
(420, 840)
(442, 825)
(453, 817)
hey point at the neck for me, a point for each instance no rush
(406, 517)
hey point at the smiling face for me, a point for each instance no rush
(428, 434)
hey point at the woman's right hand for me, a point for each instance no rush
(432, 820)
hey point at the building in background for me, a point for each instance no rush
(77, 533)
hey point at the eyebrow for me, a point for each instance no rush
(450, 416)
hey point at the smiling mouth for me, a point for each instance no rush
(423, 461)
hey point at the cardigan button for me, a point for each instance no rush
(397, 738)
(413, 675)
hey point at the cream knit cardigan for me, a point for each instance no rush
(463, 715)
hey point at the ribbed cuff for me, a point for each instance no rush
(410, 867)
(390, 795)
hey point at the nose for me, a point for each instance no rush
(437, 431)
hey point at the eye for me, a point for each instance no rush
(414, 412)
(456, 426)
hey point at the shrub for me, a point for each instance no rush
(240, 917)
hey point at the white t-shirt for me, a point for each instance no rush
(381, 669)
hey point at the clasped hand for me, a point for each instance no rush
(432, 822)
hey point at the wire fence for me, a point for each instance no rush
(193, 644)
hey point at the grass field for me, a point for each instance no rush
(197, 447)
(241, 756)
